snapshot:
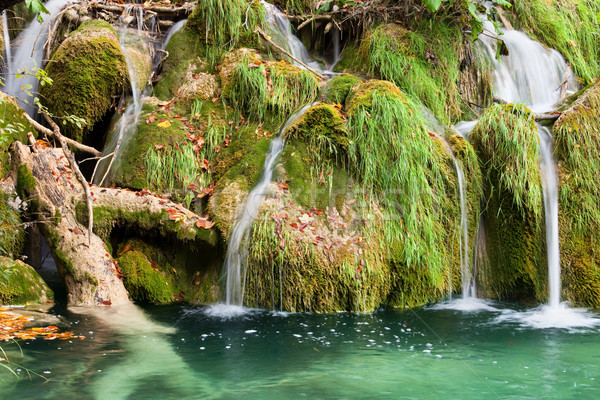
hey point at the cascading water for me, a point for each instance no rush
(538, 77)
(237, 250)
(550, 184)
(7, 49)
(468, 287)
(127, 125)
(28, 55)
(281, 30)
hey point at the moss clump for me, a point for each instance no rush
(569, 26)
(577, 150)
(25, 182)
(401, 166)
(353, 61)
(88, 69)
(12, 234)
(322, 120)
(186, 274)
(13, 126)
(275, 89)
(423, 63)
(507, 145)
(20, 284)
(338, 88)
(142, 281)
(184, 47)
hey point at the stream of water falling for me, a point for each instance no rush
(234, 268)
(7, 49)
(29, 54)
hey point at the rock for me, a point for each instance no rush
(88, 69)
(577, 151)
(14, 126)
(202, 86)
(21, 284)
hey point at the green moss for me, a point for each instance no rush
(401, 166)
(13, 126)
(576, 148)
(184, 47)
(88, 69)
(107, 218)
(144, 283)
(353, 61)
(25, 182)
(569, 26)
(277, 89)
(339, 87)
(423, 63)
(53, 238)
(20, 284)
(193, 272)
(507, 146)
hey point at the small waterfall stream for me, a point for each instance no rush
(30, 54)
(237, 249)
(7, 49)
(468, 286)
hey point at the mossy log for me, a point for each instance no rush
(90, 273)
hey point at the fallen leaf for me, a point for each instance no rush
(164, 123)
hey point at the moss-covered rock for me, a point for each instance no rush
(186, 55)
(577, 150)
(164, 274)
(137, 51)
(423, 63)
(13, 126)
(320, 123)
(507, 145)
(20, 284)
(142, 281)
(262, 88)
(338, 88)
(88, 69)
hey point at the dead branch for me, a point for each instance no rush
(268, 40)
(81, 147)
(75, 169)
(551, 116)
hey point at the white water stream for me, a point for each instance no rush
(237, 249)
(29, 54)
(7, 49)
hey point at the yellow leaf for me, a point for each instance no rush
(164, 124)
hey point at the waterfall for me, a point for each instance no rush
(7, 50)
(127, 126)
(281, 32)
(29, 54)
(468, 287)
(550, 186)
(237, 250)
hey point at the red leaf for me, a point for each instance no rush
(106, 302)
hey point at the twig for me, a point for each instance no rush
(75, 169)
(266, 38)
(98, 163)
(81, 147)
(313, 19)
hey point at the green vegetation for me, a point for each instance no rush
(88, 69)
(142, 281)
(20, 284)
(226, 24)
(399, 165)
(423, 63)
(578, 151)
(569, 26)
(13, 126)
(339, 88)
(507, 144)
(12, 234)
(277, 89)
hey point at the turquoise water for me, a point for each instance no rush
(180, 352)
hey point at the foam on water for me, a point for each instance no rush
(547, 317)
(226, 311)
(466, 304)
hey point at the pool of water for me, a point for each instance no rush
(188, 352)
